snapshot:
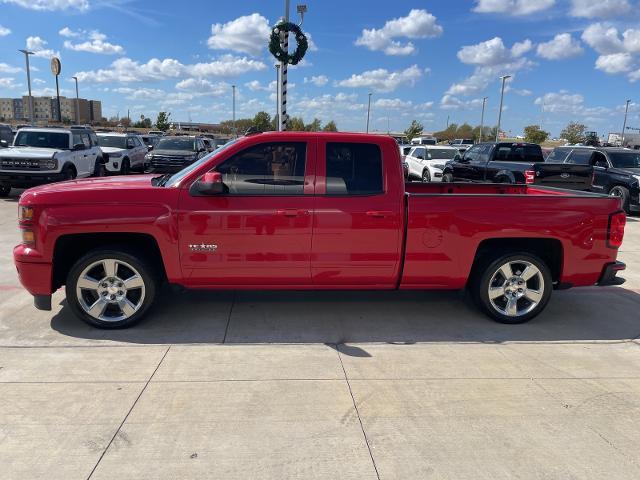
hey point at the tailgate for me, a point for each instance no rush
(563, 175)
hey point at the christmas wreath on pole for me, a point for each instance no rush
(276, 49)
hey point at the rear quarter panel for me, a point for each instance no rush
(444, 232)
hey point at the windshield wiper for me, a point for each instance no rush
(161, 180)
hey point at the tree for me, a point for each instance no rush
(162, 122)
(534, 134)
(414, 130)
(574, 132)
(262, 121)
(330, 127)
(314, 126)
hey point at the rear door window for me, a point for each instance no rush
(354, 169)
(267, 169)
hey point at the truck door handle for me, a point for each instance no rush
(379, 213)
(292, 212)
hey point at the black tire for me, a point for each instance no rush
(426, 176)
(68, 173)
(128, 262)
(5, 190)
(99, 169)
(447, 178)
(622, 193)
(486, 276)
(125, 168)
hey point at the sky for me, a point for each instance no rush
(570, 60)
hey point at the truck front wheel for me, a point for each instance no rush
(110, 289)
(513, 288)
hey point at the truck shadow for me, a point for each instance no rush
(587, 315)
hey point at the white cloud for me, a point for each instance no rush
(51, 5)
(96, 43)
(599, 8)
(513, 7)
(317, 80)
(39, 48)
(382, 80)
(247, 34)
(417, 24)
(4, 31)
(126, 70)
(560, 47)
(615, 63)
(4, 68)
(603, 39)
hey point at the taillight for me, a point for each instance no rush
(617, 221)
(529, 176)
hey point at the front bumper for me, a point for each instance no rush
(609, 272)
(26, 180)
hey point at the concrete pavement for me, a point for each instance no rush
(392, 385)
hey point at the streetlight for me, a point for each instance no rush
(368, 112)
(235, 130)
(624, 125)
(504, 78)
(26, 55)
(77, 102)
(484, 101)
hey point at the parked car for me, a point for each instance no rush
(172, 154)
(6, 135)
(427, 162)
(610, 170)
(123, 152)
(309, 210)
(502, 162)
(45, 155)
(462, 144)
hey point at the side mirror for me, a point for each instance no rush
(4, 144)
(210, 184)
(79, 146)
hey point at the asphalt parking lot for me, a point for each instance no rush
(349, 385)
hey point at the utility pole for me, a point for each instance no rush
(368, 112)
(26, 55)
(504, 78)
(624, 125)
(235, 129)
(77, 102)
(484, 101)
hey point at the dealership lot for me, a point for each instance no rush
(322, 385)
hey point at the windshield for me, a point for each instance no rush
(185, 143)
(442, 153)
(112, 141)
(625, 159)
(57, 140)
(177, 177)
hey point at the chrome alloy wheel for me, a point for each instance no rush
(516, 288)
(110, 290)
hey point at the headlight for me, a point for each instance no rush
(25, 213)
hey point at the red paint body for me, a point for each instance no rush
(413, 236)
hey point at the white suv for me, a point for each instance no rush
(46, 155)
(123, 152)
(427, 162)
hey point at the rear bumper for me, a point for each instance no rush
(609, 272)
(26, 180)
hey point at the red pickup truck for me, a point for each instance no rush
(310, 211)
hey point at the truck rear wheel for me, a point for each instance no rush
(110, 289)
(513, 288)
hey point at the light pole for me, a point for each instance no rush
(77, 102)
(624, 125)
(368, 112)
(235, 129)
(26, 55)
(504, 78)
(484, 101)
